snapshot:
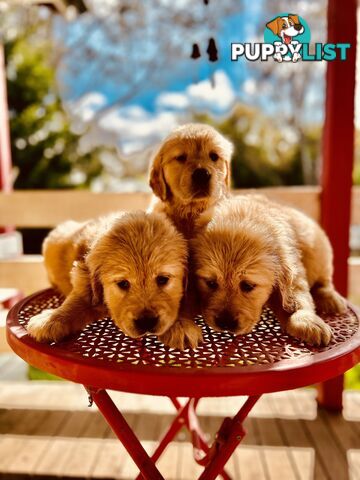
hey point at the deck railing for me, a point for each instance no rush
(47, 208)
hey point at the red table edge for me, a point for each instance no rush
(174, 381)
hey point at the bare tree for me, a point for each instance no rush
(294, 90)
(135, 44)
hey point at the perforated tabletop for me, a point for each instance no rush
(264, 360)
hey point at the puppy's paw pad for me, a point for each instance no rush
(43, 327)
(308, 327)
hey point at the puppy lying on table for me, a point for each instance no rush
(129, 265)
(252, 252)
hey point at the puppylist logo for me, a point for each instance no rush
(287, 39)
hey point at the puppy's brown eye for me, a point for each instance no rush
(161, 280)
(284, 25)
(212, 284)
(124, 285)
(214, 156)
(181, 158)
(246, 287)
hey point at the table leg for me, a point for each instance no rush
(124, 433)
(330, 394)
(198, 437)
(169, 435)
(228, 438)
(186, 416)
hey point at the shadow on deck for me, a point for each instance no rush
(47, 431)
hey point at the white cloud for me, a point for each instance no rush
(133, 129)
(249, 86)
(218, 96)
(136, 128)
(85, 108)
(102, 8)
(177, 101)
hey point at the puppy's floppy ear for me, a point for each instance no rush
(185, 280)
(294, 18)
(228, 174)
(96, 288)
(274, 26)
(157, 178)
(228, 150)
(84, 285)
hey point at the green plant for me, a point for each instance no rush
(45, 151)
(263, 156)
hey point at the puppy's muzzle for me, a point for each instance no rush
(146, 322)
(226, 321)
(298, 27)
(200, 180)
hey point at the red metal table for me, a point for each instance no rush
(266, 360)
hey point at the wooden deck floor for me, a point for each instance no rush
(47, 431)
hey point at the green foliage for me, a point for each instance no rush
(352, 378)
(263, 156)
(44, 150)
(36, 374)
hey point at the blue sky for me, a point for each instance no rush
(185, 85)
(240, 27)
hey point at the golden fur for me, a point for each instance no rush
(254, 252)
(117, 265)
(181, 195)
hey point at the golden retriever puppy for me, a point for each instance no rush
(253, 252)
(190, 173)
(131, 266)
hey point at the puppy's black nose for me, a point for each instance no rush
(201, 177)
(298, 27)
(146, 322)
(226, 321)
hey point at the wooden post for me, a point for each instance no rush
(5, 153)
(338, 157)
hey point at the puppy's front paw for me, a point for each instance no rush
(183, 334)
(46, 327)
(328, 300)
(308, 327)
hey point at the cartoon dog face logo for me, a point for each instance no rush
(286, 28)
